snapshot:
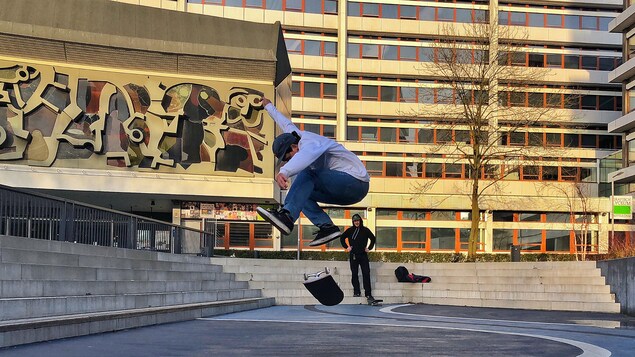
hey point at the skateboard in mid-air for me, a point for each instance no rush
(323, 287)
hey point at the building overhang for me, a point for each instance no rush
(622, 176)
(623, 21)
(623, 124)
(622, 73)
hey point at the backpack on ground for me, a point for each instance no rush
(404, 276)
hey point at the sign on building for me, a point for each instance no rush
(622, 207)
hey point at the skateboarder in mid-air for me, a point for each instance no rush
(358, 247)
(324, 172)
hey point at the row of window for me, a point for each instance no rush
(516, 138)
(439, 136)
(450, 96)
(460, 171)
(558, 60)
(572, 22)
(307, 6)
(422, 13)
(429, 54)
(403, 238)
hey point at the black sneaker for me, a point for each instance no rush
(278, 218)
(327, 233)
(357, 294)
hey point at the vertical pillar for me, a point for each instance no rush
(342, 40)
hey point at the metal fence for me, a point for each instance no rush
(31, 215)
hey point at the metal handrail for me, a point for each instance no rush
(37, 215)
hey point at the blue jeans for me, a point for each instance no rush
(325, 186)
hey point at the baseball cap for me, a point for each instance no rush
(282, 144)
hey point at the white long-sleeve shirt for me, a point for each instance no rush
(317, 151)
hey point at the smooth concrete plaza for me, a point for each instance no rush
(421, 330)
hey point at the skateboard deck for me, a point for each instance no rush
(323, 287)
(377, 302)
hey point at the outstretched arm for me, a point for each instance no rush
(372, 240)
(283, 122)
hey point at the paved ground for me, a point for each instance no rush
(421, 330)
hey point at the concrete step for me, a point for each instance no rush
(9, 255)
(42, 288)
(14, 271)
(22, 331)
(21, 308)
(549, 288)
(481, 280)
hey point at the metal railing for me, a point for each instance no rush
(34, 215)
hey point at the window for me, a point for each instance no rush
(386, 238)
(407, 12)
(370, 92)
(536, 20)
(426, 136)
(370, 51)
(408, 53)
(293, 5)
(388, 94)
(312, 90)
(274, 4)
(572, 22)
(550, 173)
(445, 14)
(554, 20)
(426, 13)
(313, 7)
(571, 61)
(330, 49)
(518, 18)
(370, 9)
(389, 52)
(293, 45)
(312, 47)
(388, 11)
(589, 22)
(442, 238)
(554, 60)
(330, 90)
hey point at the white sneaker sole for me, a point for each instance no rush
(325, 239)
(273, 220)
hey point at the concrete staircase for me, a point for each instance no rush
(572, 286)
(51, 290)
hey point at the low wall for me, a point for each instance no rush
(620, 275)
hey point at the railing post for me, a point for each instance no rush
(176, 240)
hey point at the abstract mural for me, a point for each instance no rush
(62, 117)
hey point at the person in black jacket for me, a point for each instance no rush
(358, 237)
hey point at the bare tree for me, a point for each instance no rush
(479, 93)
(580, 205)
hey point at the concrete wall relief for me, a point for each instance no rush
(90, 119)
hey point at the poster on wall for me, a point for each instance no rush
(190, 209)
(220, 211)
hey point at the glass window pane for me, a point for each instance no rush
(426, 13)
(274, 4)
(388, 52)
(313, 7)
(369, 133)
(554, 20)
(370, 51)
(386, 238)
(352, 133)
(503, 239)
(254, 3)
(293, 45)
(426, 136)
(370, 9)
(571, 21)
(389, 135)
(388, 11)
(353, 92)
(407, 12)
(589, 62)
(518, 18)
(394, 169)
(530, 239)
(312, 48)
(330, 6)
(571, 61)
(312, 90)
(445, 14)
(589, 22)
(503, 216)
(426, 95)
(370, 92)
(464, 15)
(554, 60)
(353, 8)
(330, 90)
(557, 241)
(353, 50)
(536, 20)
(294, 5)
(388, 94)
(408, 53)
(536, 60)
(442, 238)
(413, 237)
(433, 170)
(330, 49)
(408, 94)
